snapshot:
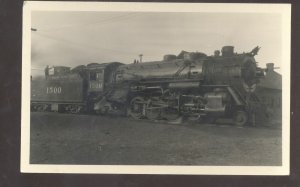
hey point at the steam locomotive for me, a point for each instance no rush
(191, 85)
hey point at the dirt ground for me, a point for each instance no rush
(103, 140)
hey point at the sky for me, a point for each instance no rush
(79, 38)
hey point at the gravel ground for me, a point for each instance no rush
(87, 139)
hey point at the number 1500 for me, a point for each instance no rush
(55, 90)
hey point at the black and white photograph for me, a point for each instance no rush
(156, 88)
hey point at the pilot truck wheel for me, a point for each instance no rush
(240, 118)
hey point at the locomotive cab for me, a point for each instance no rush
(95, 79)
(100, 76)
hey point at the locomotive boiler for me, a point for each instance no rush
(191, 85)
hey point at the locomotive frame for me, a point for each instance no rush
(190, 86)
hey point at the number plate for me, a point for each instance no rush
(96, 85)
(53, 90)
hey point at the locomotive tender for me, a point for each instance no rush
(190, 85)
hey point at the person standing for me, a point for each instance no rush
(47, 72)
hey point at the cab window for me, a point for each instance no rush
(96, 75)
(93, 76)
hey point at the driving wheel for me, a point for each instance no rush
(137, 108)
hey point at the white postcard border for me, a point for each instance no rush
(283, 9)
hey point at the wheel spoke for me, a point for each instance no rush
(137, 107)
